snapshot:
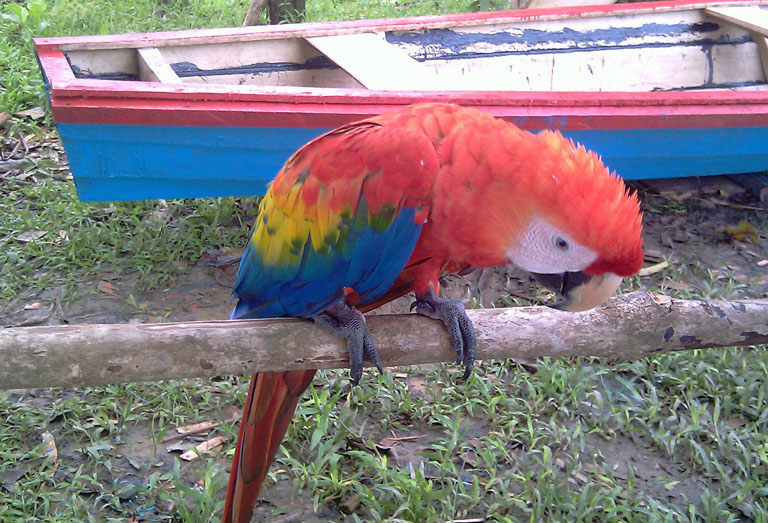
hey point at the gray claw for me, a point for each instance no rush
(453, 315)
(345, 322)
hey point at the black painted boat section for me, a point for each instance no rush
(186, 69)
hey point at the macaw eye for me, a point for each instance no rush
(561, 244)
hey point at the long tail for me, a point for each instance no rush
(272, 400)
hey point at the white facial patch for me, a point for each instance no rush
(545, 249)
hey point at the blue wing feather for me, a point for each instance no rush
(369, 262)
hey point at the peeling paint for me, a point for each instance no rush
(448, 44)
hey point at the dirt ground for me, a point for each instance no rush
(691, 226)
(686, 226)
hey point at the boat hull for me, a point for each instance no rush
(131, 139)
(137, 162)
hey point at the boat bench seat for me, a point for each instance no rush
(375, 63)
(753, 19)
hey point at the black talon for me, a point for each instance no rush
(453, 315)
(345, 322)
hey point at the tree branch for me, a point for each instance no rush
(627, 327)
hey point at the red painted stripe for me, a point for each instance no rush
(335, 113)
(55, 66)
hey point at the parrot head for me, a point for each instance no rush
(582, 229)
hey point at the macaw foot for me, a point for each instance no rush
(453, 315)
(345, 322)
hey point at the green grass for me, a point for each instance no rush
(83, 239)
(678, 437)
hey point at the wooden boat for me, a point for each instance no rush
(660, 89)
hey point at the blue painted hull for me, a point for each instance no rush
(137, 162)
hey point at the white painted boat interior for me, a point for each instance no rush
(692, 49)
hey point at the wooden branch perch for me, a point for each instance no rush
(627, 327)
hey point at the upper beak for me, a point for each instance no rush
(581, 291)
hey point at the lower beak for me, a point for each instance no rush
(581, 291)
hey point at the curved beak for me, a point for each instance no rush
(581, 291)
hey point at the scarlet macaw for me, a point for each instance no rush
(380, 207)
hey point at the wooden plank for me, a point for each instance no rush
(762, 46)
(375, 63)
(751, 18)
(153, 67)
(754, 19)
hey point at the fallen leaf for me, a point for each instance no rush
(653, 269)
(388, 443)
(675, 188)
(206, 446)
(176, 447)
(35, 113)
(469, 457)
(104, 211)
(737, 206)
(10, 477)
(30, 236)
(653, 255)
(107, 288)
(63, 237)
(50, 451)
(12, 165)
(743, 232)
(734, 423)
(133, 463)
(349, 505)
(197, 428)
(474, 442)
(220, 257)
(160, 214)
(530, 366)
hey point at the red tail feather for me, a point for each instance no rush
(272, 400)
